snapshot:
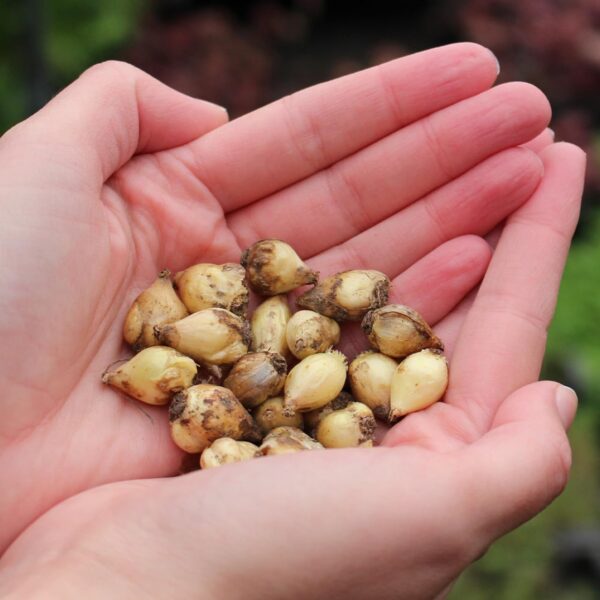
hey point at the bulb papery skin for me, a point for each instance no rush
(312, 418)
(315, 381)
(268, 324)
(350, 427)
(370, 375)
(226, 451)
(207, 285)
(273, 267)
(287, 440)
(420, 380)
(204, 413)
(153, 375)
(213, 335)
(269, 415)
(157, 305)
(398, 331)
(347, 296)
(256, 377)
(309, 333)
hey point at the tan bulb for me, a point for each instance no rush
(370, 375)
(213, 286)
(315, 381)
(350, 427)
(347, 296)
(398, 331)
(225, 451)
(309, 332)
(212, 335)
(268, 324)
(420, 380)
(156, 305)
(204, 413)
(273, 267)
(153, 375)
(269, 415)
(287, 440)
(312, 418)
(256, 376)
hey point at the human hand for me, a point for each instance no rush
(306, 180)
(399, 521)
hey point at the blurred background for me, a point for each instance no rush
(245, 54)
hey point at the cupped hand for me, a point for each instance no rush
(391, 168)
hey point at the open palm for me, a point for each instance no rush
(394, 168)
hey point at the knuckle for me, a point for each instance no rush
(344, 191)
(14, 133)
(435, 141)
(305, 131)
(110, 70)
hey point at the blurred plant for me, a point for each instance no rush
(44, 45)
(245, 54)
(12, 78)
(228, 53)
(82, 33)
(574, 337)
(554, 44)
(523, 565)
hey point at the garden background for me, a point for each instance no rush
(245, 54)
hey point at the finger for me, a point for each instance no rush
(303, 133)
(540, 141)
(522, 464)
(233, 534)
(472, 204)
(111, 112)
(358, 192)
(433, 286)
(504, 336)
(441, 427)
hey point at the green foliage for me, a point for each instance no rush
(574, 338)
(520, 565)
(76, 34)
(82, 33)
(13, 100)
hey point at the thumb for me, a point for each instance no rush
(523, 462)
(112, 111)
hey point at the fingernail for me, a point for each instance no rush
(217, 106)
(551, 131)
(566, 404)
(497, 61)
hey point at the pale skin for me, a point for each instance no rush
(403, 168)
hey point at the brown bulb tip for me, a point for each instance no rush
(177, 406)
(312, 277)
(246, 333)
(244, 258)
(163, 333)
(251, 432)
(438, 345)
(367, 323)
(279, 363)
